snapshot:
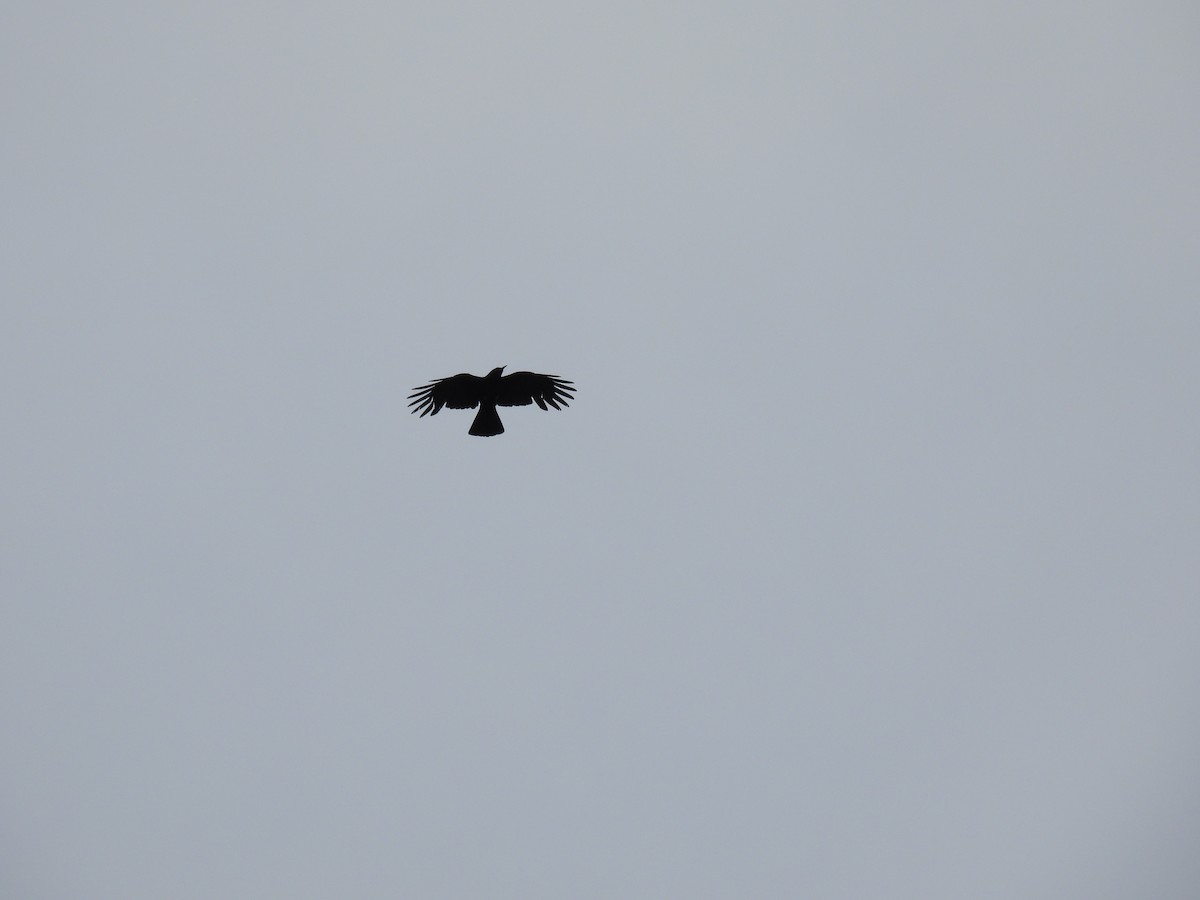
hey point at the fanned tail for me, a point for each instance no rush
(487, 421)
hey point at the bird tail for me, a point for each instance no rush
(487, 421)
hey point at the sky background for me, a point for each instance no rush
(865, 564)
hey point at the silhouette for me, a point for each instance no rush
(494, 389)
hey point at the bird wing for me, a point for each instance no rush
(523, 388)
(457, 392)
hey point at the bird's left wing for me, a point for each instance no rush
(523, 388)
(457, 392)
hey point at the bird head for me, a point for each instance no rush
(496, 373)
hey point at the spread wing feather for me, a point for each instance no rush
(457, 392)
(523, 388)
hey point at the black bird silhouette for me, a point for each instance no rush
(494, 389)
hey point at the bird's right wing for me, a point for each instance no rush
(523, 388)
(457, 392)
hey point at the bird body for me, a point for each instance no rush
(494, 389)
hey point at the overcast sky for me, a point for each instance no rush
(864, 565)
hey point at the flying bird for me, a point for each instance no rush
(494, 389)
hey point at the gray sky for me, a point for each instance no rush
(864, 566)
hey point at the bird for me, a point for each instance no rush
(494, 389)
